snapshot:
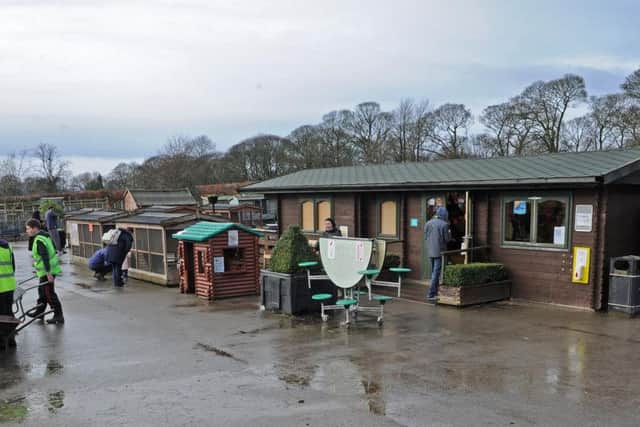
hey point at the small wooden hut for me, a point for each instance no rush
(218, 260)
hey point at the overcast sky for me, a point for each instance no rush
(115, 79)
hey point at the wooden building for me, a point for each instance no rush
(218, 260)
(154, 252)
(534, 213)
(85, 228)
(139, 199)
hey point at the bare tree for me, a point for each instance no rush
(308, 148)
(605, 111)
(451, 124)
(631, 85)
(371, 128)
(578, 134)
(53, 170)
(410, 129)
(546, 104)
(336, 136)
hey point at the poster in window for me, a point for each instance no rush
(233, 238)
(520, 207)
(218, 264)
(584, 218)
(558, 235)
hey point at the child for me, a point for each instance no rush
(125, 267)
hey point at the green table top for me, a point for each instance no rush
(400, 270)
(307, 264)
(321, 297)
(382, 298)
(346, 301)
(371, 272)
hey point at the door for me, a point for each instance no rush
(430, 203)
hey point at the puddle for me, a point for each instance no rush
(294, 379)
(53, 367)
(92, 288)
(55, 401)
(14, 410)
(187, 304)
(217, 351)
(375, 402)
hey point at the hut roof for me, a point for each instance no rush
(203, 231)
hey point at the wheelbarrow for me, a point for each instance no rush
(11, 325)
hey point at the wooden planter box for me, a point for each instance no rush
(290, 293)
(462, 296)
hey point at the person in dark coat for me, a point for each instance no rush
(117, 253)
(436, 235)
(330, 230)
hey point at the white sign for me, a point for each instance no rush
(331, 249)
(218, 264)
(74, 237)
(584, 218)
(344, 231)
(233, 238)
(558, 235)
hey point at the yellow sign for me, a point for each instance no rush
(581, 262)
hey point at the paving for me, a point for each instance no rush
(148, 356)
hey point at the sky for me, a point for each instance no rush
(107, 81)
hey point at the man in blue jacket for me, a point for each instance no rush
(436, 235)
(117, 253)
(98, 263)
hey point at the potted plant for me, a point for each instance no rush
(475, 283)
(284, 287)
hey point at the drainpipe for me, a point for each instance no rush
(466, 243)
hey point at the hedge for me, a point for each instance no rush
(473, 274)
(292, 248)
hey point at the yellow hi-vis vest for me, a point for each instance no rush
(7, 274)
(38, 263)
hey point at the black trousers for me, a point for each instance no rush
(47, 295)
(6, 303)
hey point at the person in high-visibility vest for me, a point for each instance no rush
(7, 282)
(47, 267)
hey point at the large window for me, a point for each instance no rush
(314, 212)
(388, 218)
(538, 221)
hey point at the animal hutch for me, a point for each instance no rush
(85, 229)
(218, 260)
(153, 254)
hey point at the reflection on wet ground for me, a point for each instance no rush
(149, 355)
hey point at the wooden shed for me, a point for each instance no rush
(85, 229)
(154, 252)
(218, 260)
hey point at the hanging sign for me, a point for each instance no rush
(584, 218)
(233, 238)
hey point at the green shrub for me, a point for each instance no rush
(291, 248)
(473, 274)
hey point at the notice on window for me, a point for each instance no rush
(520, 207)
(90, 228)
(233, 238)
(558, 235)
(584, 218)
(74, 237)
(331, 249)
(218, 264)
(360, 251)
(413, 222)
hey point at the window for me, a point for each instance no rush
(234, 259)
(324, 212)
(308, 219)
(388, 220)
(540, 221)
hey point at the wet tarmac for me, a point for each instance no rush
(148, 356)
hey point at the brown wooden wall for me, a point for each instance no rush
(344, 210)
(537, 274)
(210, 285)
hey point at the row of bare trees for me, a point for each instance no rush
(543, 118)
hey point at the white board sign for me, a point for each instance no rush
(584, 218)
(558, 235)
(218, 264)
(74, 237)
(233, 238)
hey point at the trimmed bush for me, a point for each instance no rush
(291, 248)
(473, 274)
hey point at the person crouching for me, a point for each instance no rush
(98, 263)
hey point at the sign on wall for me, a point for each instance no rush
(233, 238)
(584, 218)
(218, 264)
(581, 261)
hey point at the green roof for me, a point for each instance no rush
(204, 230)
(559, 168)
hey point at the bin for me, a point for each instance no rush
(624, 284)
